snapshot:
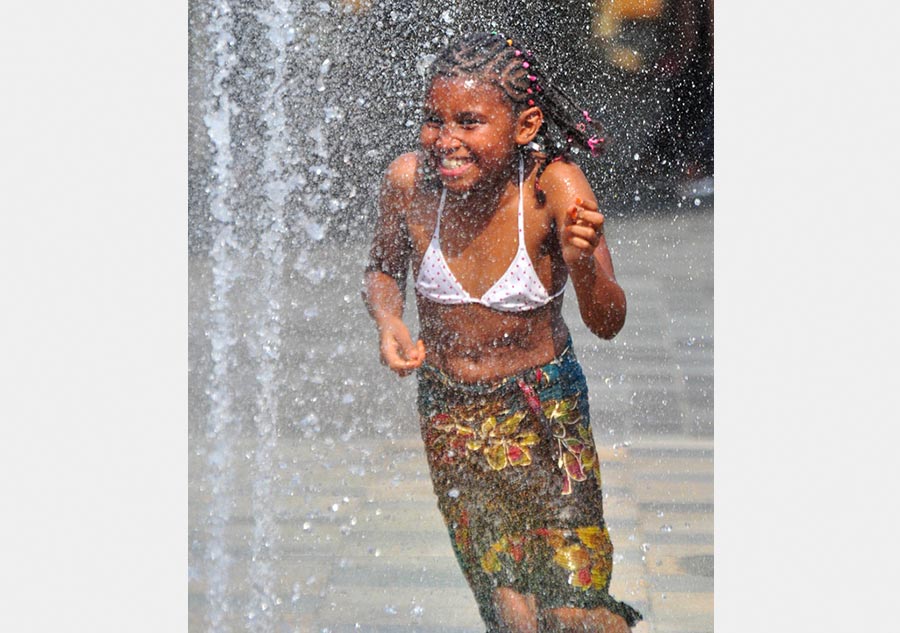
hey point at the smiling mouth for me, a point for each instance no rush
(453, 166)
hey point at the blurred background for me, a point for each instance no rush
(310, 505)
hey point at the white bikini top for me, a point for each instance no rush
(517, 290)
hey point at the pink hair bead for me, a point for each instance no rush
(525, 64)
(518, 53)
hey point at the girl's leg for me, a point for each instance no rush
(572, 620)
(516, 612)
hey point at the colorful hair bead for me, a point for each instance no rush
(593, 143)
(518, 53)
(587, 117)
(531, 102)
(532, 78)
(525, 65)
(509, 42)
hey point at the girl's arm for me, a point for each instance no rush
(574, 208)
(385, 279)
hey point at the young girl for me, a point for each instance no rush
(493, 228)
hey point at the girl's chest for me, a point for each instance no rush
(479, 253)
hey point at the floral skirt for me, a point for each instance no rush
(517, 479)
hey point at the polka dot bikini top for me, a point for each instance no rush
(517, 290)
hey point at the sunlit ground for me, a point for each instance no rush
(360, 544)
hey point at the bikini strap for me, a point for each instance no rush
(440, 210)
(521, 203)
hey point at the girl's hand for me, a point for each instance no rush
(398, 351)
(582, 231)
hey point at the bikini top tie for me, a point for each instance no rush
(517, 290)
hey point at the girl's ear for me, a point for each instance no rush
(528, 125)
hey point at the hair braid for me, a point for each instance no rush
(509, 65)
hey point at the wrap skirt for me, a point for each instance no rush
(515, 470)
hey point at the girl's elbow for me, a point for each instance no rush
(608, 330)
(613, 331)
(608, 324)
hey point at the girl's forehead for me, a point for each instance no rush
(464, 90)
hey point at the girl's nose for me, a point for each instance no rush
(446, 139)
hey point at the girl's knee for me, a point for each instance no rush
(572, 620)
(517, 613)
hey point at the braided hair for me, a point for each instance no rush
(506, 63)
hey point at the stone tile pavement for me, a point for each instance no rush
(359, 543)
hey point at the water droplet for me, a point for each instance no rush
(665, 528)
(423, 63)
(306, 526)
(453, 493)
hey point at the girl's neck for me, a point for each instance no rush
(471, 212)
(488, 198)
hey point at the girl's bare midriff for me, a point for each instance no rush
(501, 344)
(471, 342)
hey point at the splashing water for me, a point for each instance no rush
(222, 425)
(303, 104)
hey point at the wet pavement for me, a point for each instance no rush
(360, 544)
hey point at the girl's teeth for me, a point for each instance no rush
(452, 163)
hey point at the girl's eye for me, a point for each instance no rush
(469, 123)
(432, 121)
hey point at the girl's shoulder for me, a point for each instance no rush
(403, 174)
(561, 181)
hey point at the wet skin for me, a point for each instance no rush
(470, 341)
(470, 143)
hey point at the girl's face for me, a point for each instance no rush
(469, 132)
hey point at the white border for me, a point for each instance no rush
(93, 130)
